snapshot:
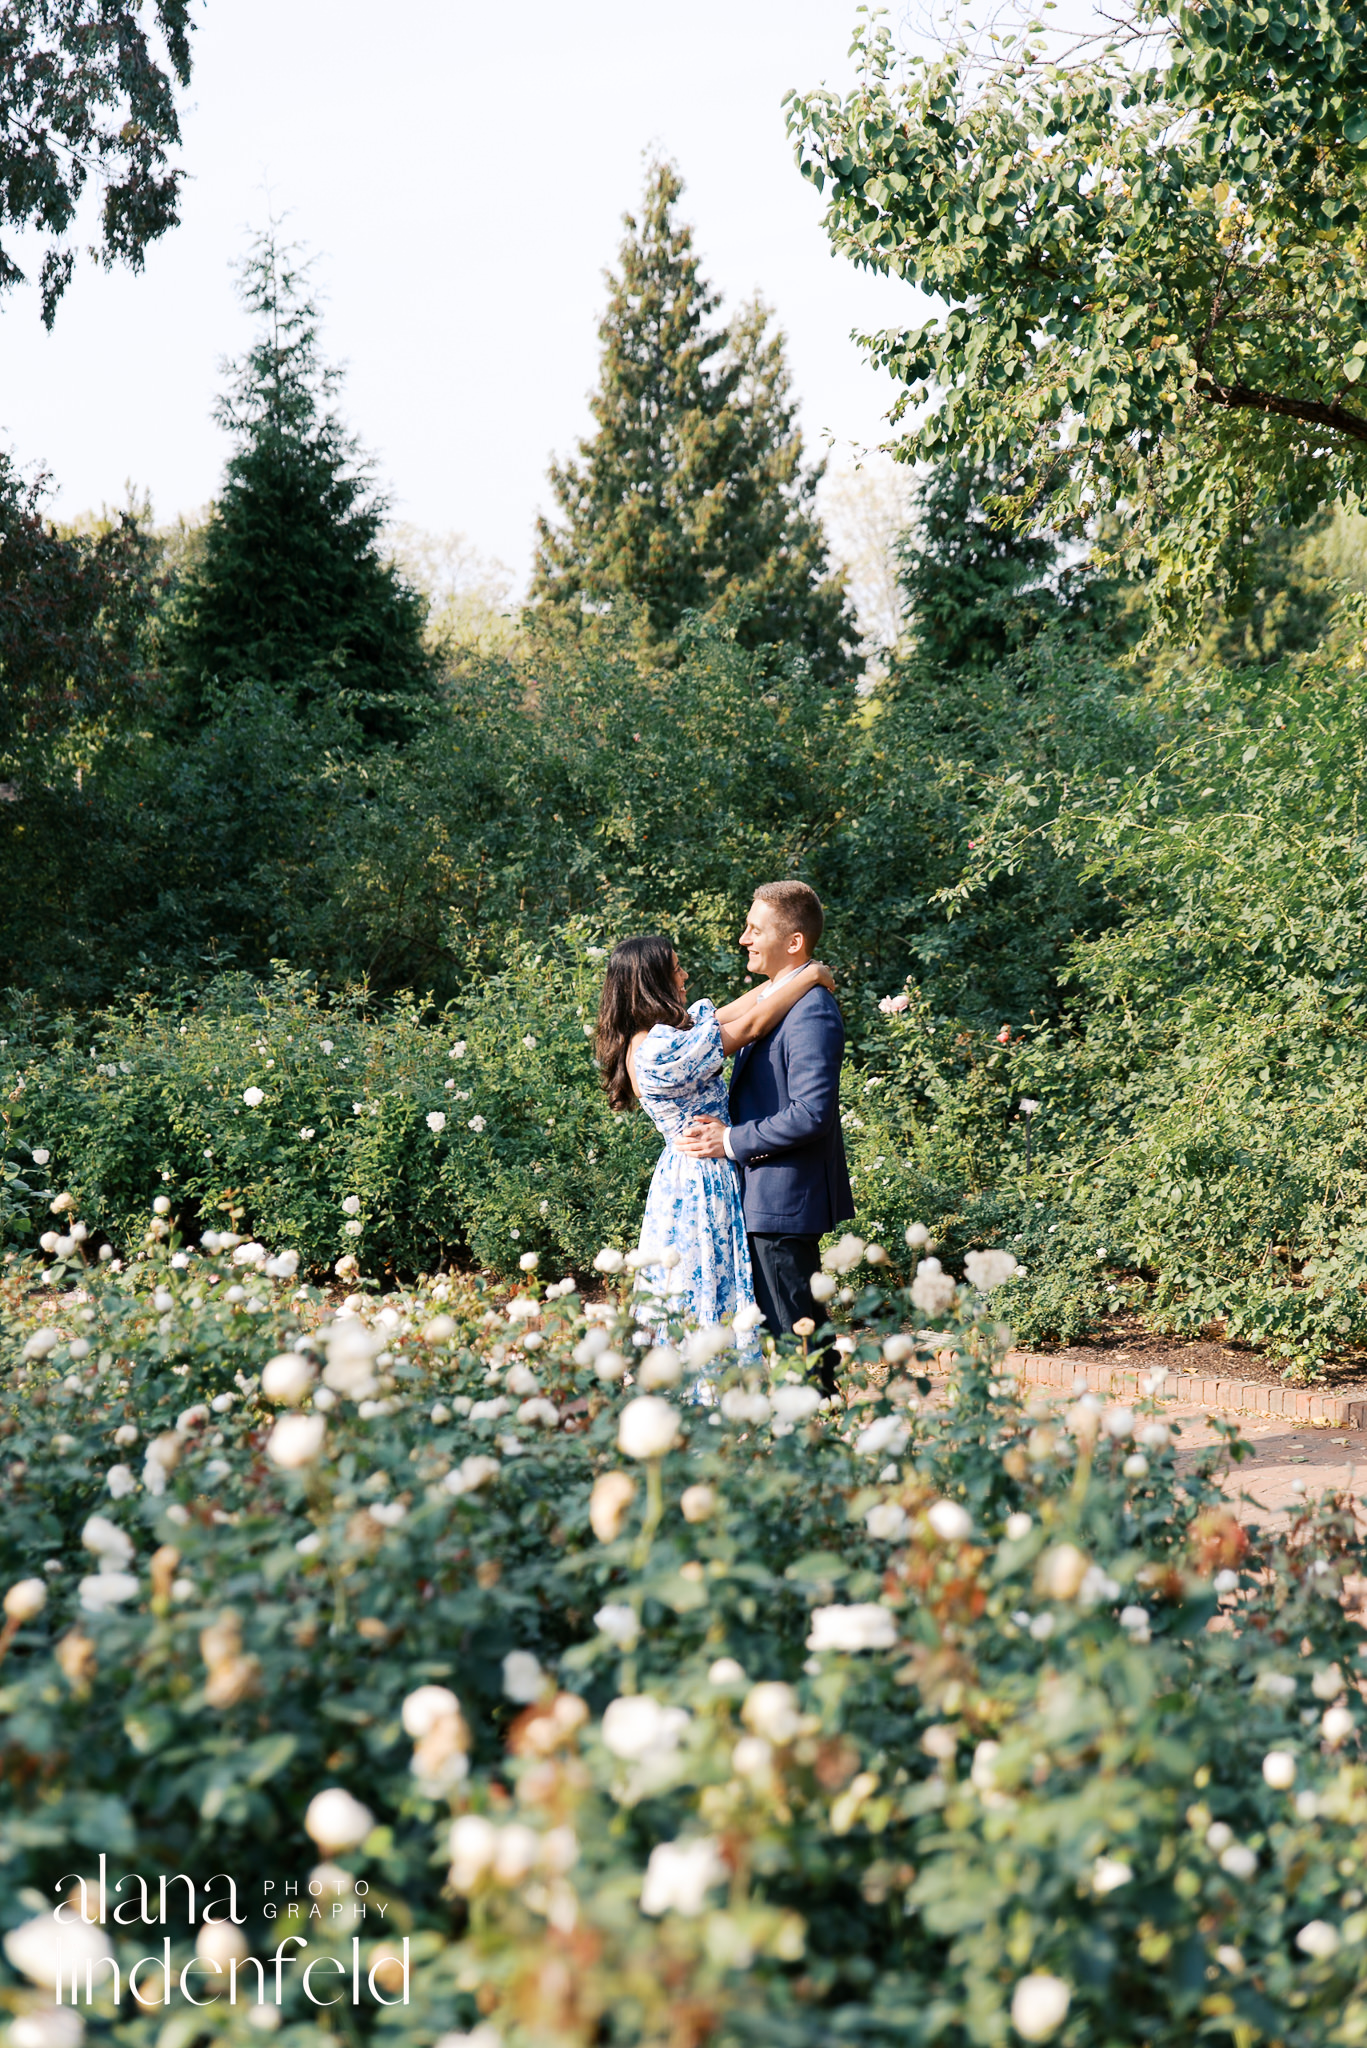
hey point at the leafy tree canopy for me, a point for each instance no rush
(291, 586)
(692, 495)
(1150, 251)
(87, 87)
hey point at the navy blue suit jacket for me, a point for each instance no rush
(785, 1123)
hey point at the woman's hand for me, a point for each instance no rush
(825, 979)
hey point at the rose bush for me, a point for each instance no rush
(702, 1713)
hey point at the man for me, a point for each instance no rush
(785, 1118)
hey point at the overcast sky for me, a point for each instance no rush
(461, 174)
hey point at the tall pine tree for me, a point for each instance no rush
(290, 587)
(692, 494)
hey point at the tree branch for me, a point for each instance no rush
(1240, 398)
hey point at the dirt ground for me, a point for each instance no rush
(1123, 1340)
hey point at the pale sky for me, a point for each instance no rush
(461, 174)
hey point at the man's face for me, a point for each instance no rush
(768, 948)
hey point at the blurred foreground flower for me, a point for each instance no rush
(336, 1821)
(679, 1876)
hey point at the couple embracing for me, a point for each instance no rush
(751, 1177)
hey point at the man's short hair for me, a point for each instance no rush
(797, 908)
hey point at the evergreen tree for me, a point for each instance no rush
(692, 495)
(975, 590)
(289, 587)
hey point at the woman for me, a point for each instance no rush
(669, 1056)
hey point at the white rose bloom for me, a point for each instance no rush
(752, 1757)
(351, 1205)
(897, 1350)
(253, 1097)
(916, 1235)
(739, 1404)
(865, 1626)
(477, 1123)
(472, 1846)
(48, 2027)
(40, 1156)
(516, 1854)
(521, 1380)
(523, 1678)
(883, 1438)
(823, 1286)
(530, 1042)
(41, 1342)
(1279, 1769)
(1327, 1682)
(112, 1545)
(296, 1440)
(1039, 2006)
(647, 1427)
(1136, 1466)
(1155, 1436)
(987, 1270)
(37, 1948)
(423, 1709)
(698, 1502)
(218, 1941)
(933, 1291)
(541, 1411)
(662, 1366)
(705, 1345)
(679, 1876)
(771, 1710)
(951, 1522)
(325, 1045)
(844, 1256)
(747, 1318)
(308, 1132)
(288, 1377)
(726, 1671)
(608, 1260)
(1318, 1939)
(472, 1475)
(1238, 1861)
(1018, 1526)
(1109, 1873)
(1119, 1422)
(353, 1228)
(523, 1308)
(1336, 1726)
(887, 1522)
(793, 1403)
(621, 1623)
(1279, 1684)
(336, 1821)
(105, 1590)
(636, 1726)
(120, 1481)
(25, 1600)
(529, 1261)
(436, 1121)
(283, 1266)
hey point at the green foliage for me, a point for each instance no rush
(88, 86)
(941, 1758)
(692, 495)
(290, 587)
(976, 591)
(1208, 191)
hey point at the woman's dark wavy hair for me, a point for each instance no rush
(639, 990)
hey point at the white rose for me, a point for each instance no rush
(37, 1948)
(218, 1941)
(472, 1846)
(823, 1286)
(48, 2027)
(436, 1121)
(662, 1366)
(887, 1436)
(1018, 1526)
(933, 1291)
(636, 1725)
(529, 1261)
(844, 1256)
(109, 1542)
(1318, 1939)
(608, 1260)
(1279, 1769)
(41, 1342)
(287, 1377)
(679, 1876)
(41, 1157)
(951, 1522)
(619, 1622)
(477, 1123)
(253, 1097)
(647, 1427)
(540, 1411)
(698, 1502)
(472, 1475)
(120, 1481)
(25, 1600)
(887, 1522)
(334, 1820)
(1108, 1874)
(865, 1626)
(794, 1404)
(351, 1205)
(105, 1590)
(296, 1440)
(897, 1350)
(523, 1678)
(1039, 2006)
(987, 1270)
(423, 1709)
(771, 1710)
(1336, 1726)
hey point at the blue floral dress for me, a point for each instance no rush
(693, 1206)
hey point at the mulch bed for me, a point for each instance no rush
(1123, 1340)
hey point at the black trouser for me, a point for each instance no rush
(783, 1269)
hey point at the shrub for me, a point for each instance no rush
(808, 1725)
